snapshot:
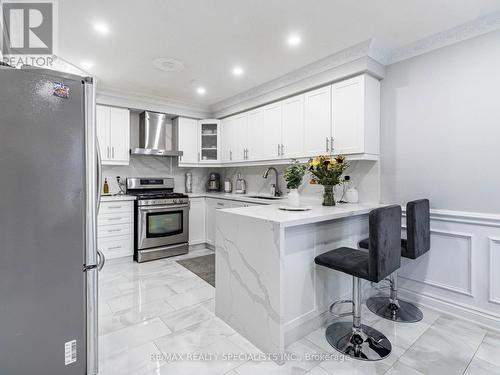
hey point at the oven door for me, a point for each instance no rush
(162, 226)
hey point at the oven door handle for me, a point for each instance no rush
(147, 209)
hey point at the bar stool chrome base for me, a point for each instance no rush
(366, 345)
(399, 311)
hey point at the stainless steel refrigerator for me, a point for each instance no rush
(49, 196)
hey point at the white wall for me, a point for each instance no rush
(440, 138)
(440, 133)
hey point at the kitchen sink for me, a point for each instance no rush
(265, 197)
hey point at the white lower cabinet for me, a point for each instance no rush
(115, 229)
(196, 221)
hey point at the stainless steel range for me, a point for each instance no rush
(161, 218)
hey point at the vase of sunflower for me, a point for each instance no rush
(327, 170)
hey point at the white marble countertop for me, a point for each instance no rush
(114, 198)
(317, 213)
(236, 197)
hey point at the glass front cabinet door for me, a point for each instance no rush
(209, 141)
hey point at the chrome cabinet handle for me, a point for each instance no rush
(247, 154)
(113, 151)
(114, 230)
(282, 149)
(102, 260)
(279, 150)
(331, 144)
(327, 144)
(113, 207)
(114, 247)
(107, 152)
(230, 155)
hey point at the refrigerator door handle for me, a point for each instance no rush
(99, 176)
(102, 260)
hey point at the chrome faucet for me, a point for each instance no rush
(277, 192)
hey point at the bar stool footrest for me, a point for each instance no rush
(336, 303)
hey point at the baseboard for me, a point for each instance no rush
(473, 315)
(197, 246)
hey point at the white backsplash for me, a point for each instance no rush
(155, 166)
(364, 174)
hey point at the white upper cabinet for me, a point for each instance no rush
(356, 116)
(113, 134)
(343, 118)
(103, 125)
(239, 137)
(292, 127)
(209, 141)
(227, 139)
(187, 129)
(317, 125)
(270, 137)
(120, 135)
(255, 130)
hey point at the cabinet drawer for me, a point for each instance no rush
(119, 206)
(115, 247)
(115, 218)
(115, 230)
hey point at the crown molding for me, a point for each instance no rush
(111, 96)
(479, 26)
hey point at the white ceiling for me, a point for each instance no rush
(212, 36)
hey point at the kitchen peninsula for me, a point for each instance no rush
(268, 287)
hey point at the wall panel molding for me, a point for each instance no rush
(494, 270)
(433, 283)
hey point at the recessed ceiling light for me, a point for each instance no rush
(87, 64)
(238, 71)
(168, 64)
(294, 40)
(201, 90)
(101, 28)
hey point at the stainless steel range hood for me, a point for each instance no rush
(157, 135)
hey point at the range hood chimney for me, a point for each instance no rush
(157, 135)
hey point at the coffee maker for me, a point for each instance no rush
(213, 182)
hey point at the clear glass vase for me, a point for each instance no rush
(328, 196)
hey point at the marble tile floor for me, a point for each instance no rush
(152, 310)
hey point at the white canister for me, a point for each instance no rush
(294, 198)
(351, 195)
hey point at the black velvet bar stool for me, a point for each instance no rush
(355, 339)
(418, 242)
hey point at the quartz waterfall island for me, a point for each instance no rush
(268, 287)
